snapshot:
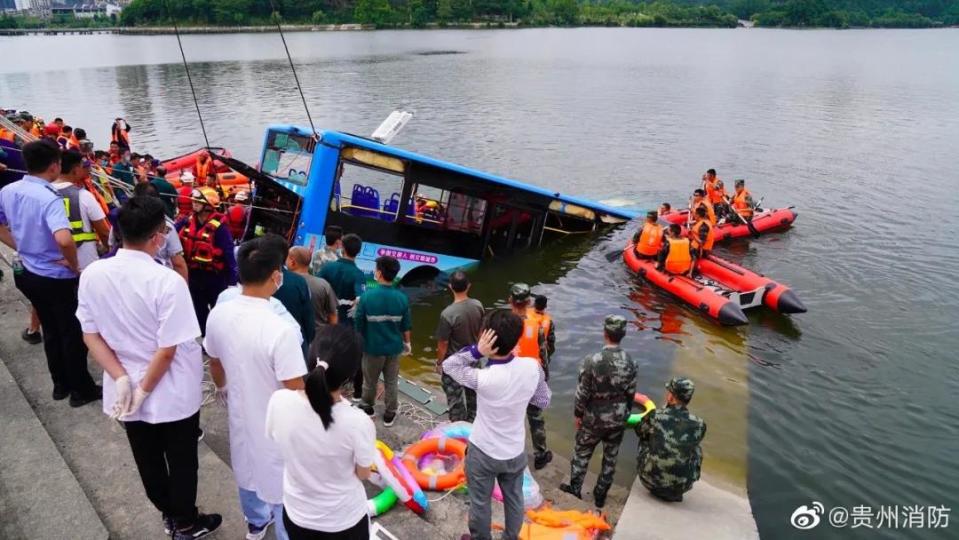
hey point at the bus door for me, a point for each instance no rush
(512, 227)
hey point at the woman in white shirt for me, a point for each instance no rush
(327, 445)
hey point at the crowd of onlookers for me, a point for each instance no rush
(297, 342)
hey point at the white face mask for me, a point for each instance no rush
(280, 282)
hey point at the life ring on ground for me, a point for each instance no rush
(441, 445)
(635, 418)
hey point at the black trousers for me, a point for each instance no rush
(205, 287)
(56, 303)
(358, 377)
(166, 457)
(360, 531)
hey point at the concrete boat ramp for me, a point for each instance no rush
(69, 473)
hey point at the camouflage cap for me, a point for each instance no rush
(741, 182)
(519, 292)
(614, 323)
(682, 388)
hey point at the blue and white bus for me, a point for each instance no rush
(432, 215)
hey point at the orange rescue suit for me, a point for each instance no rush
(650, 240)
(199, 248)
(695, 235)
(741, 204)
(678, 260)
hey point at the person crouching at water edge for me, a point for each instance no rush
(328, 446)
(139, 324)
(497, 445)
(254, 352)
(670, 455)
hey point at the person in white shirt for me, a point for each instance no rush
(497, 445)
(170, 256)
(88, 221)
(254, 352)
(138, 322)
(328, 446)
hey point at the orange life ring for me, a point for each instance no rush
(441, 445)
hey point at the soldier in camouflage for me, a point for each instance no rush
(670, 455)
(604, 397)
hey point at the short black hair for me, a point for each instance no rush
(114, 142)
(459, 281)
(711, 171)
(57, 119)
(145, 189)
(66, 129)
(333, 234)
(140, 218)
(508, 327)
(352, 244)
(388, 267)
(258, 258)
(80, 133)
(69, 160)
(701, 211)
(100, 153)
(39, 155)
(539, 302)
(675, 229)
(615, 336)
(700, 193)
(667, 206)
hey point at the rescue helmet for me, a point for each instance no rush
(207, 196)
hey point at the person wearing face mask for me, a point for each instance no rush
(123, 170)
(208, 250)
(142, 331)
(294, 293)
(255, 352)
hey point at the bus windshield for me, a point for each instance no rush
(288, 156)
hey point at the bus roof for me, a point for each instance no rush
(337, 138)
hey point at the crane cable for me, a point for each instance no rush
(292, 68)
(176, 30)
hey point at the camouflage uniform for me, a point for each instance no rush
(460, 408)
(604, 397)
(670, 455)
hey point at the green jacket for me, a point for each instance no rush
(348, 283)
(670, 455)
(382, 316)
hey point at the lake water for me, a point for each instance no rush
(851, 404)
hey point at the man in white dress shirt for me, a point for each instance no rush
(255, 352)
(138, 322)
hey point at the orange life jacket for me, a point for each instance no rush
(528, 345)
(545, 321)
(715, 191)
(35, 131)
(710, 213)
(678, 260)
(694, 235)
(199, 249)
(184, 202)
(7, 135)
(742, 205)
(201, 170)
(650, 240)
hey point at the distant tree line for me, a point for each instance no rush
(419, 13)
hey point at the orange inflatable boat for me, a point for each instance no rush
(770, 220)
(230, 181)
(720, 289)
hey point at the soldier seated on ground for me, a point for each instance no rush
(670, 455)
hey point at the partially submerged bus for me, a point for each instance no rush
(433, 216)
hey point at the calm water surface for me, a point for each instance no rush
(851, 404)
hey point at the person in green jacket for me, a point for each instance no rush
(383, 319)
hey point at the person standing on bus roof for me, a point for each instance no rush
(349, 283)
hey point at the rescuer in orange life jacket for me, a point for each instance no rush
(700, 200)
(677, 255)
(648, 241)
(533, 344)
(208, 250)
(715, 193)
(665, 208)
(742, 201)
(702, 234)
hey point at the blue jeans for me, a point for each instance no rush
(258, 513)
